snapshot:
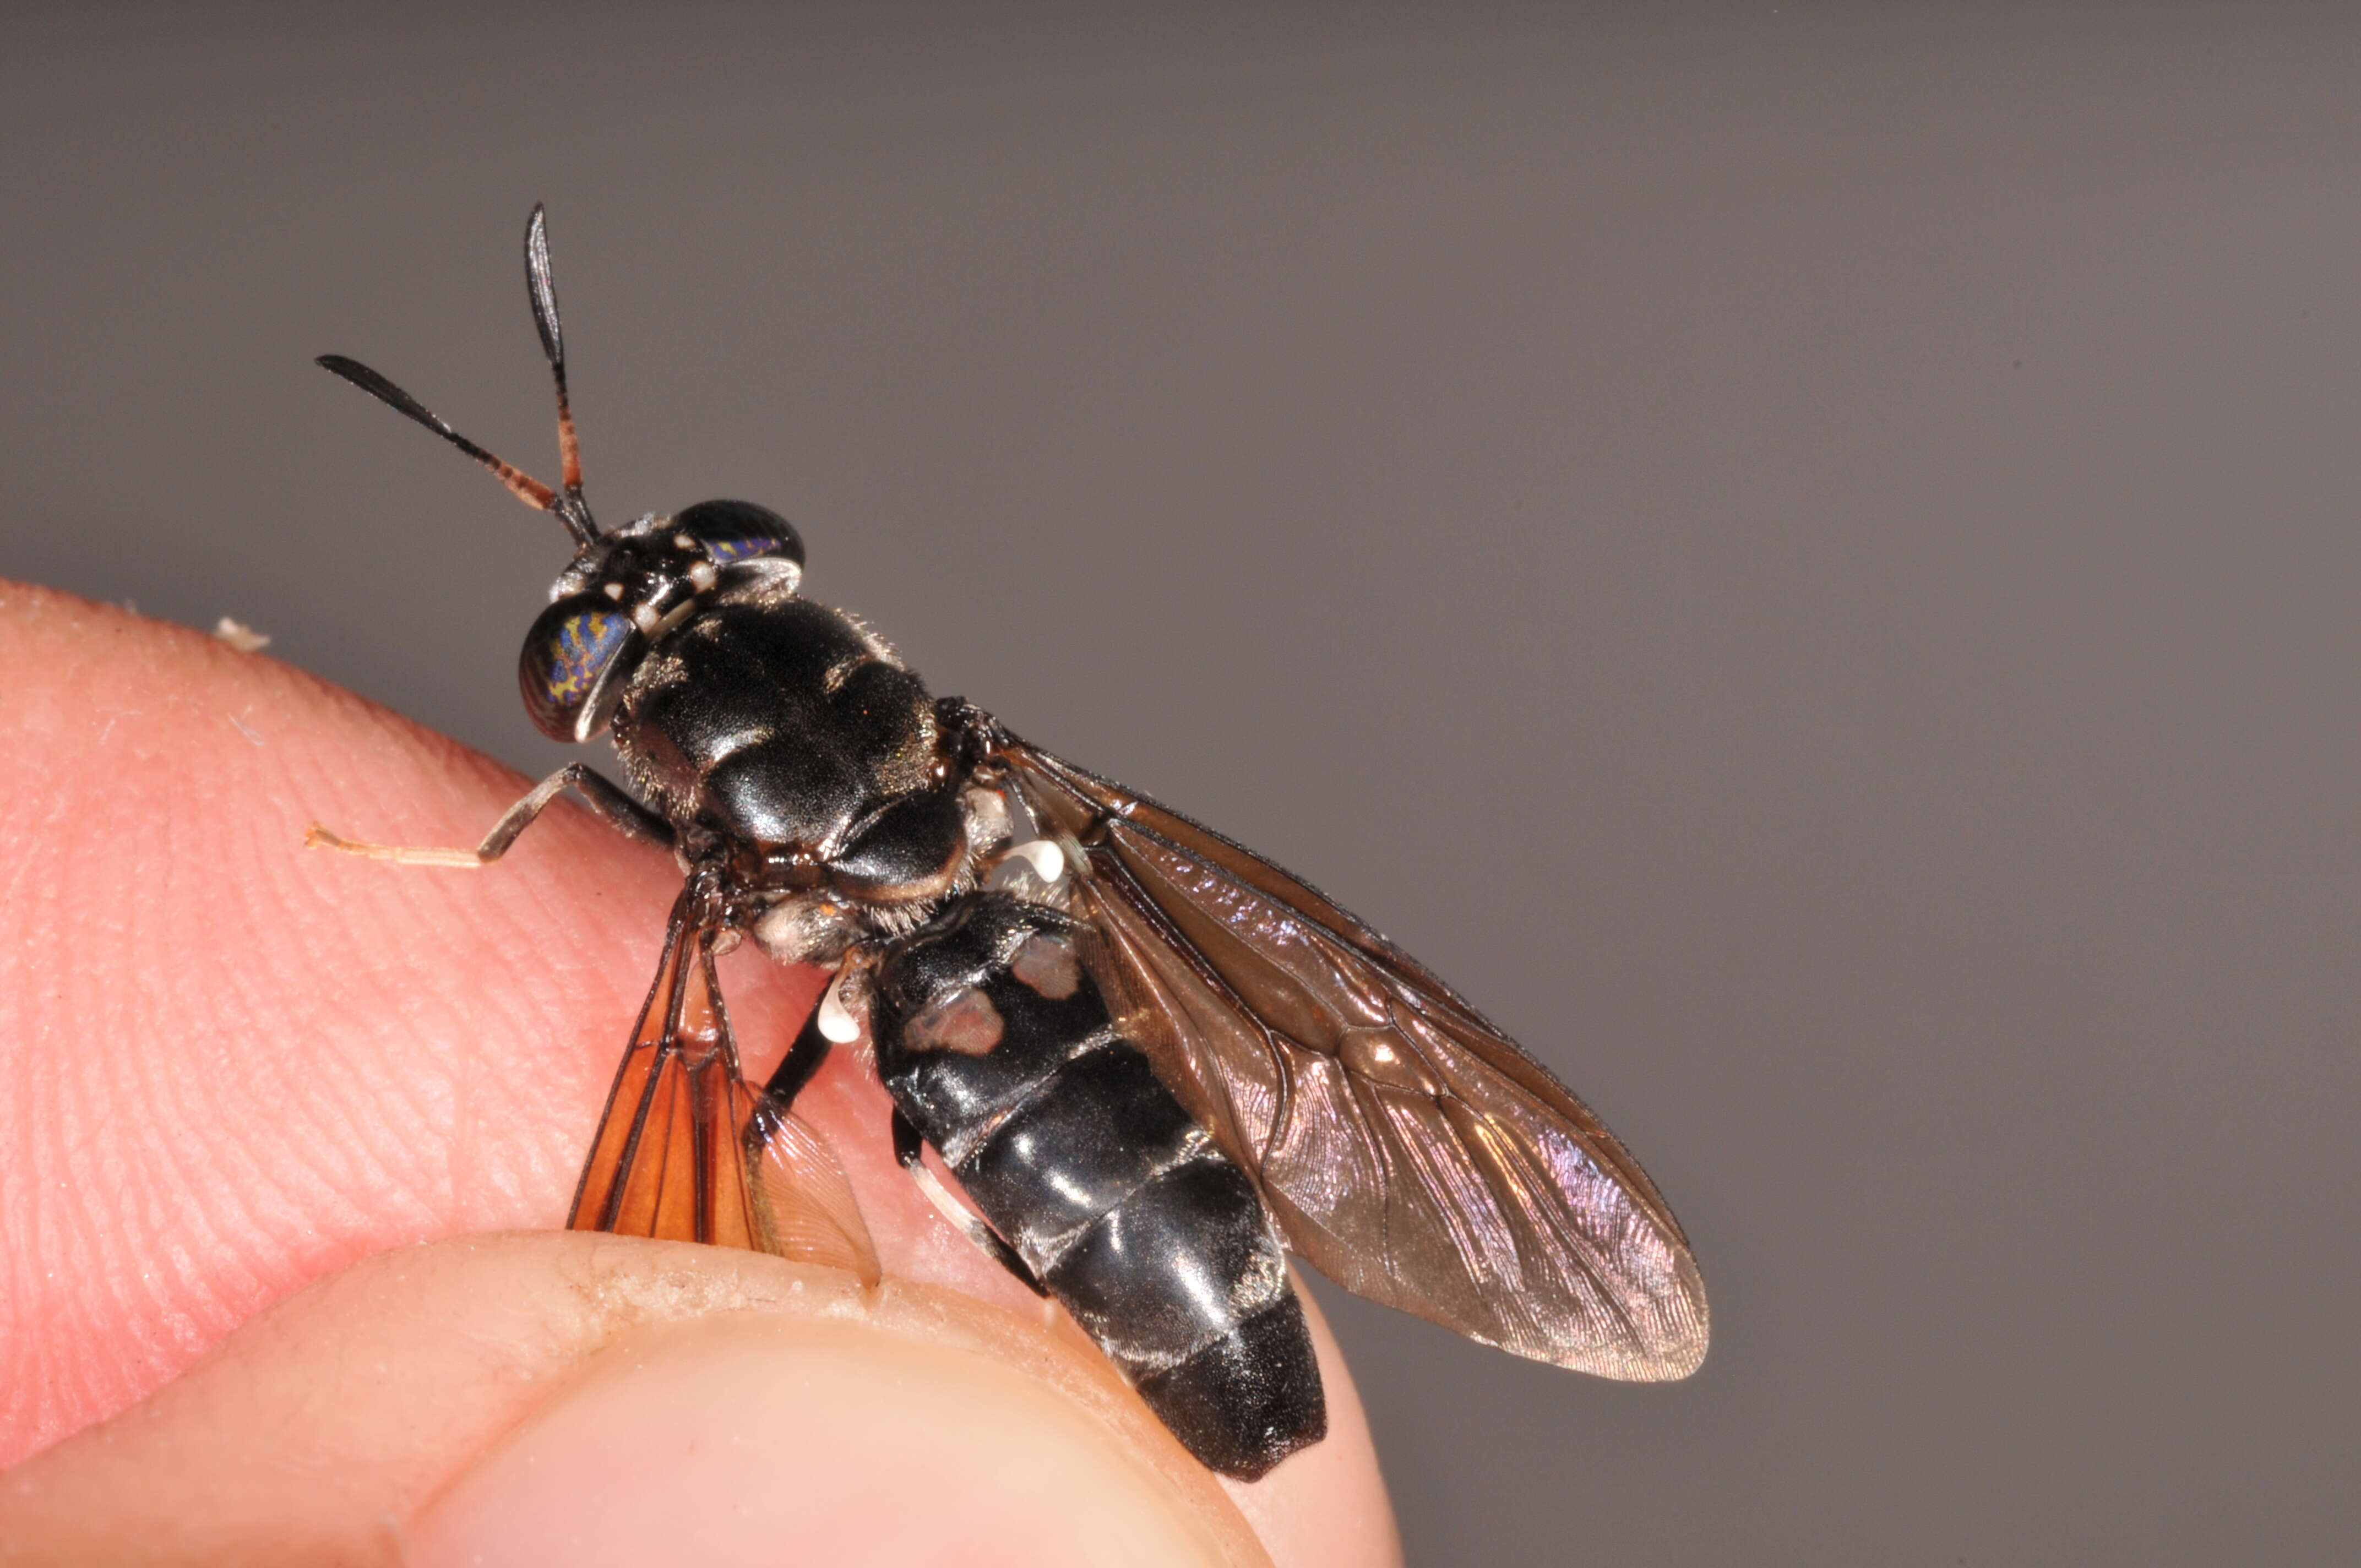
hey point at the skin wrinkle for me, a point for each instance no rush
(14, 892)
(373, 1115)
(346, 1120)
(183, 1085)
(18, 1197)
(159, 1206)
(117, 1170)
(185, 1307)
(339, 1110)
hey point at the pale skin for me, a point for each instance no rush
(286, 1136)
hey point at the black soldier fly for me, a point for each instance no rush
(1154, 1060)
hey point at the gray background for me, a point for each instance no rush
(1805, 556)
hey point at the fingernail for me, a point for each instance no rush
(747, 1439)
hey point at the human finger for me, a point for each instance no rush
(557, 1396)
(234, 1065)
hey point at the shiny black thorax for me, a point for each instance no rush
(786, 731)
(768, 730)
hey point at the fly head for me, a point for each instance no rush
(623, 591)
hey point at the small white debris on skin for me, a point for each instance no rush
(240, 636)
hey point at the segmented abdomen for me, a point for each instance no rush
(996, 1044)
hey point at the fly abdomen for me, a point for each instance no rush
(996, 1044)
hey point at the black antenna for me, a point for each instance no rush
(576, 512)
(567, 505)
(524, 485)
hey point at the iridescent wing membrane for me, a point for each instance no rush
(688, 1151)
(1406, 1146)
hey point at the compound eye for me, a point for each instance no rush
(574, 660)
(740, 531)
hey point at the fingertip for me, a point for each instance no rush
(756, 1438)
(463, 1400)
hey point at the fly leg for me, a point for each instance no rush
(909, 1147)
(829, 1024)
(802, 1060)
(606, 798)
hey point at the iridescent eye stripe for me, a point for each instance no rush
(584, 644)
(726, 551)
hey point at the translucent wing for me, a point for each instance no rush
(688, 1151)
(1405, 1146)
